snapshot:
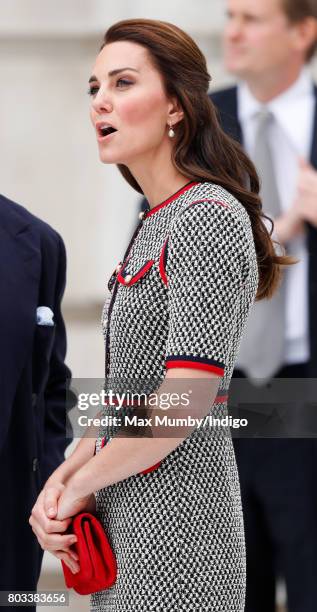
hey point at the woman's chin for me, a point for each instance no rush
(107, 156)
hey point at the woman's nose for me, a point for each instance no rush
(101, 103)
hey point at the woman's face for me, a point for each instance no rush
(127, 93)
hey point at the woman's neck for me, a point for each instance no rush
(158, 178)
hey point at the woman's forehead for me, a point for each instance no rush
(123, 55)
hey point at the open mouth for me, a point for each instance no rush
(105, 131)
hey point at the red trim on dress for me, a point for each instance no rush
(221, 398)
(141, 272)
(137, 276)
(170, 199)
(210, 200)
(152, 468)
(161, 263)
(196, 365)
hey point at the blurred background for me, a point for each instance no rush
(48, 156)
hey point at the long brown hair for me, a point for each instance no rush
(202, 150)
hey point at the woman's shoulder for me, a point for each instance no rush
(210, 202)
(214, 221)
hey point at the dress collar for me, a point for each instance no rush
(177, 194)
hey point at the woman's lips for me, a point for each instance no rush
(101, 138)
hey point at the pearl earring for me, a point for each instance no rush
(171, 132)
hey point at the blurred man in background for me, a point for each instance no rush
(33, 379)
(268, 45)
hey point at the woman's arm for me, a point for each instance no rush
(84, 451)
(121, 458)
(125, 456)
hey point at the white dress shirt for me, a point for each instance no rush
(290, 138)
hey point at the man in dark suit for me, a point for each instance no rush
(33, 380)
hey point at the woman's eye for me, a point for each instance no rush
(124, 82)
(92, 90)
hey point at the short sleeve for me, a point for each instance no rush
(204, 280)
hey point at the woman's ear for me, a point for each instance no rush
(175, 112)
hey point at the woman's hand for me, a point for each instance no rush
(70, 503)
(49, 531)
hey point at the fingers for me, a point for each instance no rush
(51, 497)
(65, 556)
(47, 524)
(51, 541)
(48, 530)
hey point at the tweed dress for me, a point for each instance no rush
(180, 298)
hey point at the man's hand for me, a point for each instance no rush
(306, 197)
(48, 530)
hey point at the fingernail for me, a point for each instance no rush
(51, 512)
(73, 539)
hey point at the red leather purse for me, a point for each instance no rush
(98, 567)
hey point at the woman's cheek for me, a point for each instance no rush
(141, 108)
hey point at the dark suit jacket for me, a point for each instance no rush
(32, 382)
(226, 102)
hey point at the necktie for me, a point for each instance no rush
(261, 352)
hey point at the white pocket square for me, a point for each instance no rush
(44, 316)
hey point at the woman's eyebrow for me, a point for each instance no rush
(113, 73)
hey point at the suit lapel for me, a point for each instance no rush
(232, 116)
(20, 266)
(227, 104)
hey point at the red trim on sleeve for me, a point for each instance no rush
(221, 399)
(197, 365)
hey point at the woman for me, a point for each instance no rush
(180, 300)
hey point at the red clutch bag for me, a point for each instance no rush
(98, 567)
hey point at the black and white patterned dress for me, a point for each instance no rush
(181, 297)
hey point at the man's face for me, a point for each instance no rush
(258, 37)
